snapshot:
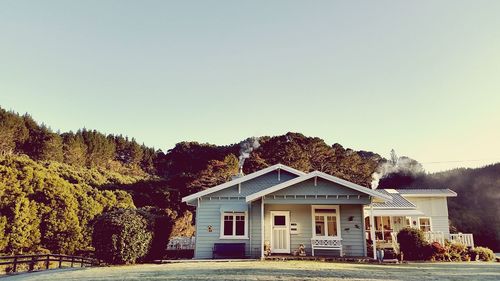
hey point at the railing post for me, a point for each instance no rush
(47, 262)
(72, 260)
(60, 261)
(14, 266)
(82, 263)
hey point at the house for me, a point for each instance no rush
(426, 209)
(279, 209)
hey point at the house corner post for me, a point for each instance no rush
(372, 232)
(262, 228)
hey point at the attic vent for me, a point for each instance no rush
(392, 191)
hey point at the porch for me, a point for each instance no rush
(312, 231)
(387, 228)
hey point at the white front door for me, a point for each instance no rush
(280, 232)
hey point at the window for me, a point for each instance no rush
(234, 225)
(424, 224)
(326, 221)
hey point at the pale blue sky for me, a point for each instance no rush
(421, 77)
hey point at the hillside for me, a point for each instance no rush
(33, 159)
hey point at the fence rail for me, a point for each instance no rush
(32, 260)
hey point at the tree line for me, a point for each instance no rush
(21, 134)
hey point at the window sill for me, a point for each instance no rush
(234, 237)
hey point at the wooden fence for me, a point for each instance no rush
(45, 259)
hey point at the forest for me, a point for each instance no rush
(53, 185)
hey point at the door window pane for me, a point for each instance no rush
(280, 220)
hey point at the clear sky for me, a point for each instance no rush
(422, 77)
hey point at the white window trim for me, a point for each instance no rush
(430, 223)
(222, 236)
(313, 220)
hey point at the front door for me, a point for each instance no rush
(280, 232)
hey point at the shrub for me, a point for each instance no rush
(121, 236)
(413, 245)
(482, 253)
(457, 251)
(440, 253)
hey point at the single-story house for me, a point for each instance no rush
(278, 210)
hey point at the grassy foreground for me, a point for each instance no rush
(275, 270)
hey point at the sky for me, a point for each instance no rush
(420, 77)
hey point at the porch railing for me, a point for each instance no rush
(434, 236)
(465, 238)
(437, 236)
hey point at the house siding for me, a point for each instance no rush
(208, 213)
(353, 237)
(434, 207)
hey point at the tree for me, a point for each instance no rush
(122, 236)
(100, 149)
(13, 133)
(74, 149)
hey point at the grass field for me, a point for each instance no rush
(274, 270)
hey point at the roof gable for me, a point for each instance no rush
(242, 179)
(321, 175)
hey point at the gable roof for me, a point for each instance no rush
(242, 179)
(324, 176)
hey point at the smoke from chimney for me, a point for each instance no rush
(246, 147)
(395, 165)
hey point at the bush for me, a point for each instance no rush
(457, 252)
(482, 253)
(121, 236)
(413, 245)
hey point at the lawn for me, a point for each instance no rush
(274, 270)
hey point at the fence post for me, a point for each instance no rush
(72, 260)
(60, 261)
(32, 263)
(14, 266)
(82, 263)
(47, 262)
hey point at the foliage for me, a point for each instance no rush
(121, 236)
(483, 254)
(413, 244)
(50, 205)
(183, 226)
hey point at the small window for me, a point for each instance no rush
(279, 220)
(234, 225)
(425, 224)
